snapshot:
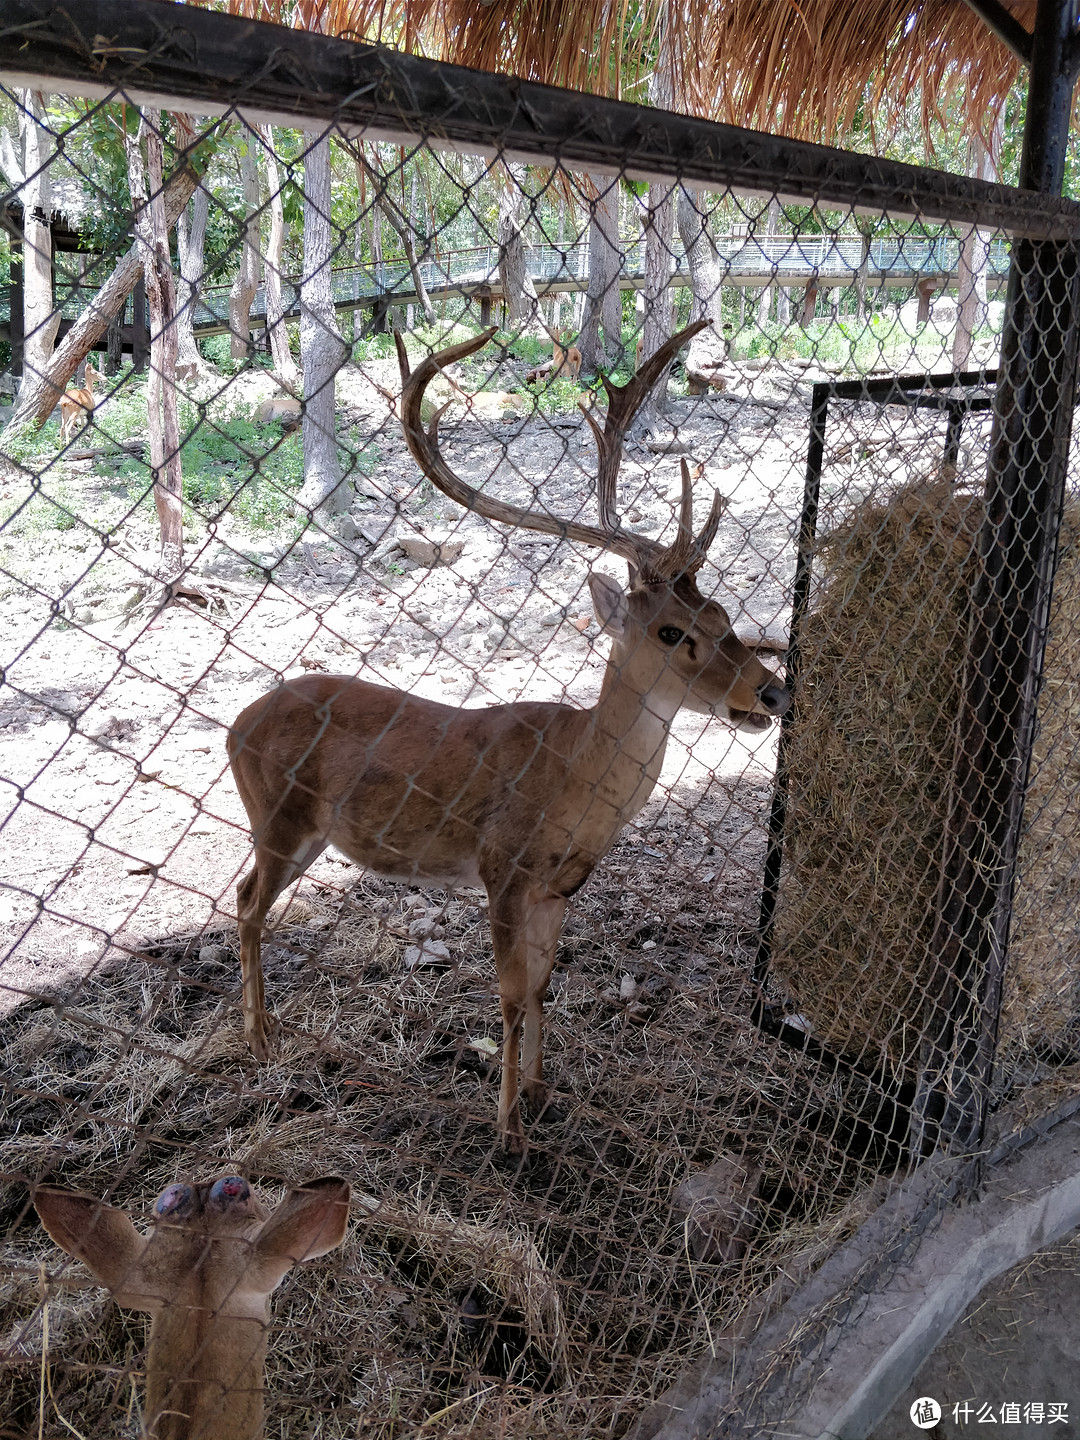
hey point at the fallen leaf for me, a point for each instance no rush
(483, 1045)
(582, 623)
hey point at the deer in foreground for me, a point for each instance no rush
(77, 406)
(524, 799)
(205, 1273)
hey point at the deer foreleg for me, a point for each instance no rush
(542, 931)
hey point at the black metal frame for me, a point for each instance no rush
(918, 392)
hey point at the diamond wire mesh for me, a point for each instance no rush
(476, 1294)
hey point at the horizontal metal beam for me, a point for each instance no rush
(174, 56)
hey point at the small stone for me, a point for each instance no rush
(721, 1206)
(431, 551)
(426, 928)
(433, 954)
(628, 988)
(212, 954)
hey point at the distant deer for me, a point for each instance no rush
(524, 799)
(205, 1273)
(565, 360)
(78, 405)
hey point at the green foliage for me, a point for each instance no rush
(45, 508)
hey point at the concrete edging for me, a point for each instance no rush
(836, 1357)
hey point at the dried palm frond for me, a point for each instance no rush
(805, 70)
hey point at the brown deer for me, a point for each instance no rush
(565, 360)
(77, 406)
(205, 1272)
(524, 799)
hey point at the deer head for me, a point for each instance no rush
(205, 1273)
(678, 644)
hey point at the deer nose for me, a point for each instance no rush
(774, 698)
(229, 1193)
(175, 1202)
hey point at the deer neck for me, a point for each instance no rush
(627, 737)
(205, 1374)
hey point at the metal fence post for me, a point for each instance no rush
(1017, 551)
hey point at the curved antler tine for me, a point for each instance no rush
(708, 531)
(686, 504)
(423, 443)
(677, 557)
(402, 357)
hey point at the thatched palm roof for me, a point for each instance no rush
(805, 68)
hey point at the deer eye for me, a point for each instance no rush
(670, 635)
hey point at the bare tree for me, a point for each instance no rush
(322, 350)
(772, 221)
(38, 398)
(28, 172)
(191, 248)
(522, 304)
(659, 241)
(163, 430)
(284, 364)
(707, 350)
(603, 299)
(247, 276)
(399, 221)
(974, 258)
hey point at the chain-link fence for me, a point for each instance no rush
(451, 740)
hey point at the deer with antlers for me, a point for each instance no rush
(523, 799)
(205, 1273)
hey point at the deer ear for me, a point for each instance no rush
(609, 602)
(102, 1237)
(308, 1223)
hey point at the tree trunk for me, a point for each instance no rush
(191, 247)
(163, 430)
(659, 242)
(246, 283)
(41, 319)
(862, 278)
(707, 351)
(401, 225)
(322, 350)
(603, 299)
(284, 365)
(519, 293)
(772, 220)
(37, 401)
(974, 258)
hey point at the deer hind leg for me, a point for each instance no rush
(276, 866)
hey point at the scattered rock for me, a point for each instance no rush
(213, 954)
(432, 954)
(721, 1206)
(668, 445)
(431, 550)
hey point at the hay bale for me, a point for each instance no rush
(871, 758)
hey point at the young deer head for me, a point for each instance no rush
(205, 1273)
(524, 799)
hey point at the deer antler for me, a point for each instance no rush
(651, 560)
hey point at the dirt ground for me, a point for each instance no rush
(1018, 1344)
